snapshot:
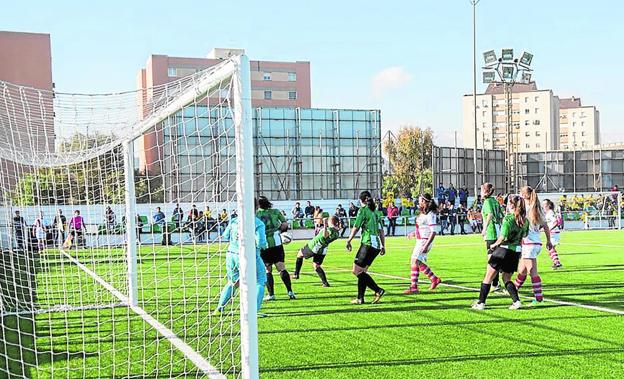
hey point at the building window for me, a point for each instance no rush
(527, 146)
(536, 110)
(537, 134)
(483, 125)
(268, 95)
(527, 122)
(292, 95)
(172, 72)
(574, 123)
(536, 122)
(583, 134)
(537, 145)
(526, 111)
(536, 98)
(573, 114)
(582, 123)
(484, 113)
(266, 76)
(582, 114)
(527, 134)
(292, 76)
(584, 144)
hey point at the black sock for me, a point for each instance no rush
(270, 284)
(298, 265)
(361, 286)
(321, 273)
(511, 288)
(483, 294)
(286, 279)
(495, 281)
(370, 282)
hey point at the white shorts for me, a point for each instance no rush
(419, 252)
(554, 238)
(531, 251)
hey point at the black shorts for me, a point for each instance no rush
(316, 258)
(366, 255)
(505, 260)
(273, 255)
(488, 243)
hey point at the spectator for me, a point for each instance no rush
(159, 217)
(39, 231)
(76, 229)
(462, 215)
(233, 215)
(353, 210)
(463, 196)
(452, 217)
(341, 213)
(393, 213)
(309, 210)
(178, 216)
(209, 221)
(440, 193)
(19, 228)
(444, 214)
(223, 220)
(297, 214)
(451, 194)
(139, 227)
(58, 227)
(109, 220)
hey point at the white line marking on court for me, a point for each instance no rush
(592, 307)
(188, 351)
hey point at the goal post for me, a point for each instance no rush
(112, 210)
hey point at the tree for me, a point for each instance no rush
(409, 154)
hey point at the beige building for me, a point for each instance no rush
(535, 119)
(579, 125)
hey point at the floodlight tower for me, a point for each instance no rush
(508, 70)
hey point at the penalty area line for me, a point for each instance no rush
(187, 350)
(559, 302)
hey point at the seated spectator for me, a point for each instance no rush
(223, 220)
(297, 214)
(309, 210)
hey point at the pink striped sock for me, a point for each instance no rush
(520, 280)
(424, 268)
(415, 274)
(554, 256)
(537, 287)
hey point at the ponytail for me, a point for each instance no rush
(489, 189)
(536, 215)
(367, 198)
(519, 210)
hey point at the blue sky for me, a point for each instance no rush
(411, 59)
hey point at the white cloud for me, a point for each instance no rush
(388, 79)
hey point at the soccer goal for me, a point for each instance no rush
(589, 210)
(111, 213)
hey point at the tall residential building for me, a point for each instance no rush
(535, 118)
(25, 60)
(580, 125)
(273, 84)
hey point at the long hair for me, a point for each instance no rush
(536, 214)
(431, 204)
(489, 189)
(519, 210)
(264, 203)
(367, 198)
(549, 204)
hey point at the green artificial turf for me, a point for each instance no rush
(321, 335)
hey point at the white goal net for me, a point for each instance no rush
(111, 212)
(588, 210)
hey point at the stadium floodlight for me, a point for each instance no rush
(526, 59)
(489, 57)
(526, 77)
(489, 76)
(507, 55)
(508, 73)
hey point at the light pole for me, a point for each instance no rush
(474, 93)
(508, 70)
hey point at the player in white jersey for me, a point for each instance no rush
(554, 225)
(425, 232)
(532, 243)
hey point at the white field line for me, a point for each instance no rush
(188, 351)
(592, 307)
(62, 308)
